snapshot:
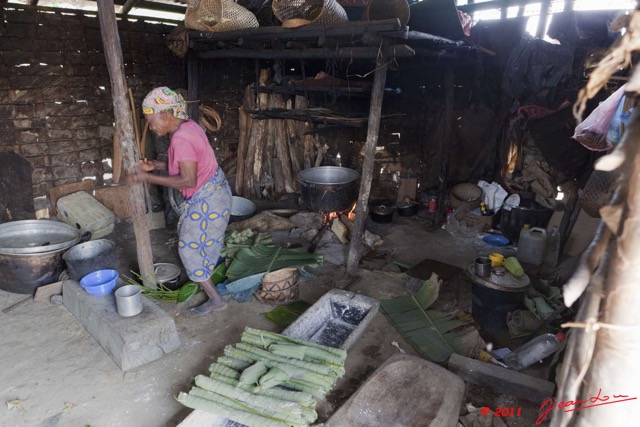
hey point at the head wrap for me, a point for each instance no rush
(163, 99)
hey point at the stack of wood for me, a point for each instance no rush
(342, 228)
(271, 152)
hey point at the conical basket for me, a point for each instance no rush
(300, 12)
(218, 15)
(279, 287)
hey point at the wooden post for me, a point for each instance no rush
(375, 109)
(124, 127)
(445, 142)
(544, 18)
(193, 108)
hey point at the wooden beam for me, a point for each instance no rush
(375, 111)
(494, 4)
(446, 135)
(544, 18)
(124, 120)
(395, 51)
(192, 86)
(130, 4)
(348, 29)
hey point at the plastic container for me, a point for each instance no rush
(83, 211)
(552, 251)
(99, 282)
(531, 245)
(533, 351)
(513, 218)
(513, 266)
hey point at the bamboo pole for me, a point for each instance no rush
(115, 64)
(446, 140)
(375, 110)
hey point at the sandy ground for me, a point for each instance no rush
(59, 375)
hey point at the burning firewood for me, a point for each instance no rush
(340, 230)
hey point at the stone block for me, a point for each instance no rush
(130, 341)
(501, 379)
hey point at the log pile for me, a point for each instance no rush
(271, 152)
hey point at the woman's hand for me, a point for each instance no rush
(137, 176)
(147, 165)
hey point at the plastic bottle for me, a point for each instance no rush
(531, 245)
(533, 351)
(553, 248)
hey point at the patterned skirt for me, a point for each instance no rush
(202, 225)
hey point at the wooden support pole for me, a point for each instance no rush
(446, 134)
(375, 111)
(124, 120)
(544, 18)
(192, 86)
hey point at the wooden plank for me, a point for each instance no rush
(500, 379)
(130, 156)
(375, 110)
(44, 293)
(193, 108)
(62, 190)
(407, 189)
(395, 51)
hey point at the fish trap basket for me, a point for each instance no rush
(279, 287)
(301, 12)
(387, 9)
(218, 15)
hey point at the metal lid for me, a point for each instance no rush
(36, 236)
(382, 210)
(166, 272)
(328, 175)
(507, 282)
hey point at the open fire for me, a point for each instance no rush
(340, 223)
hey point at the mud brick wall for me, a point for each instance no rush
(55, 93)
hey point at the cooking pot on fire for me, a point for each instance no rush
(328, 188)
(31, 253)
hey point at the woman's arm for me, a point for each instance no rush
(187, 178)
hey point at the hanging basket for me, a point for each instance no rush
(387, 9)
(218, 15)
(295, 13)
(279, 287)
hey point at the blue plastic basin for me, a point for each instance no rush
(99, 282)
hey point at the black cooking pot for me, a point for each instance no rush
(31, 253)
(241, 209)
(91, 256)
(328, 188)
(407, 208)
(381, 214)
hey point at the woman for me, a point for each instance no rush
(194, 170)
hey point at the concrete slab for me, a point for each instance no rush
(130, 341)
(404, 391)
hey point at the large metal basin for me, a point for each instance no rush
(328, 188)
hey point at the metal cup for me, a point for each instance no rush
(129, 300)
(483, 267)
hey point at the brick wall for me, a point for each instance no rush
(55, 94)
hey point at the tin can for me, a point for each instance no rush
(433, 204)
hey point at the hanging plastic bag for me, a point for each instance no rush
(592, 132)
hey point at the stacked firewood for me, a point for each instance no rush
(271, 152)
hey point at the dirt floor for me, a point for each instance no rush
(56, 374)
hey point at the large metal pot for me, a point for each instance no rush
(328, 188)
(31, 253)
(91, 256)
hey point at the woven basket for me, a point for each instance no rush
(279, 287)
(598, 191)
(313, 11)
(218, 15)
(387, 9)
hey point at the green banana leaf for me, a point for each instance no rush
(265, 258)
(284, 315)
(430, 333)
(187, 291)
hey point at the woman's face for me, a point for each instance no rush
(159, 123)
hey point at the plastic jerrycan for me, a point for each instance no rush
(531, 245)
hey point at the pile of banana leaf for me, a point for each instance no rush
(267, 379)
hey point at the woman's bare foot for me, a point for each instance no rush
(209, 306)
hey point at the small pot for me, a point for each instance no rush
(381, 214)
(407, 208)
